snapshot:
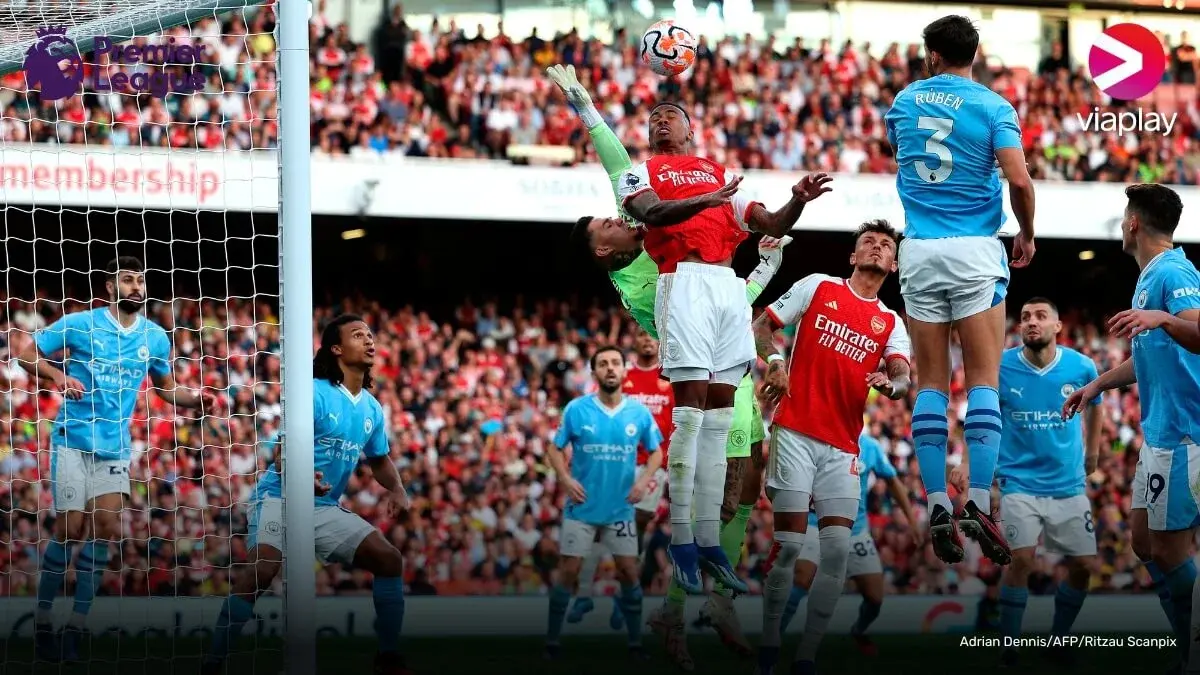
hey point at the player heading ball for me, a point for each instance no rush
(948, 133)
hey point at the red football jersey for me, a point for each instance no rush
(647, 386)
(712, 235)
(840, 339)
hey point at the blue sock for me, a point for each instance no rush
(630, 602)
(867, 613)
(560, 599)
(929, 431)
(982, 434)
(54, 570)
(789, 610)
(89, 574)
(388, 593)
(1012, 609)
(1164, 594)
(1180, 582)
(235, 612)
(1067, 603)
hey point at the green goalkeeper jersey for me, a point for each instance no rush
(636, 283)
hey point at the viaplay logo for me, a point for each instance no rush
(1127, 62)
(54, 66)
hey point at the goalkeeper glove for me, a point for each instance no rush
(576, 95)
(770, 257)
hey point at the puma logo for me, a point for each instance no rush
(1016, 391)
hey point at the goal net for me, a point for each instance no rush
(166, 153)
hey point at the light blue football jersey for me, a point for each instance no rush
(1040, 453)
(1168, 375)
(871, 460)
(346, 426)
(946, 131)
(604, 445)
(112, 363)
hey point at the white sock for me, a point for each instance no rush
(77, 620)
(778, 585)
(587, 570)
(982, 498)
(711, 464)
(940, 499)
(682, 472)
(826, 588)
(43, 616)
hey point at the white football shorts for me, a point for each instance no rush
(944, 280)
(1065, 525)
(79, 477)
(576, 538)
(1169, 493)
(338, 532)
(799, 463)
(703, 320)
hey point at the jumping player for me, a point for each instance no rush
(1165, 339)
(349, 422)
(863, 567)
(604, 431)
(644, 384)
(616, 245)
(695, 220)
(948, 133)
(1043, 468)
(107, 353)
(844, 336)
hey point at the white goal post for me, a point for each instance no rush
(123, 20)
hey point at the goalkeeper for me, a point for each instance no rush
(616, 244)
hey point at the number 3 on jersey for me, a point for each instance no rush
(941, 128)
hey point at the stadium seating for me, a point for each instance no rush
(442, 94)
(471, 405)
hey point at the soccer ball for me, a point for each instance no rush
(668, 48)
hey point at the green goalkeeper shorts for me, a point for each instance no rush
(747, 426)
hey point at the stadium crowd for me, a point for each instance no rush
(471, 404)
(441, 93)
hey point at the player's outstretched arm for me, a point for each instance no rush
(612, 153)
(779, 223)
(770, 258)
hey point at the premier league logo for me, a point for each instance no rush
(43, 64)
